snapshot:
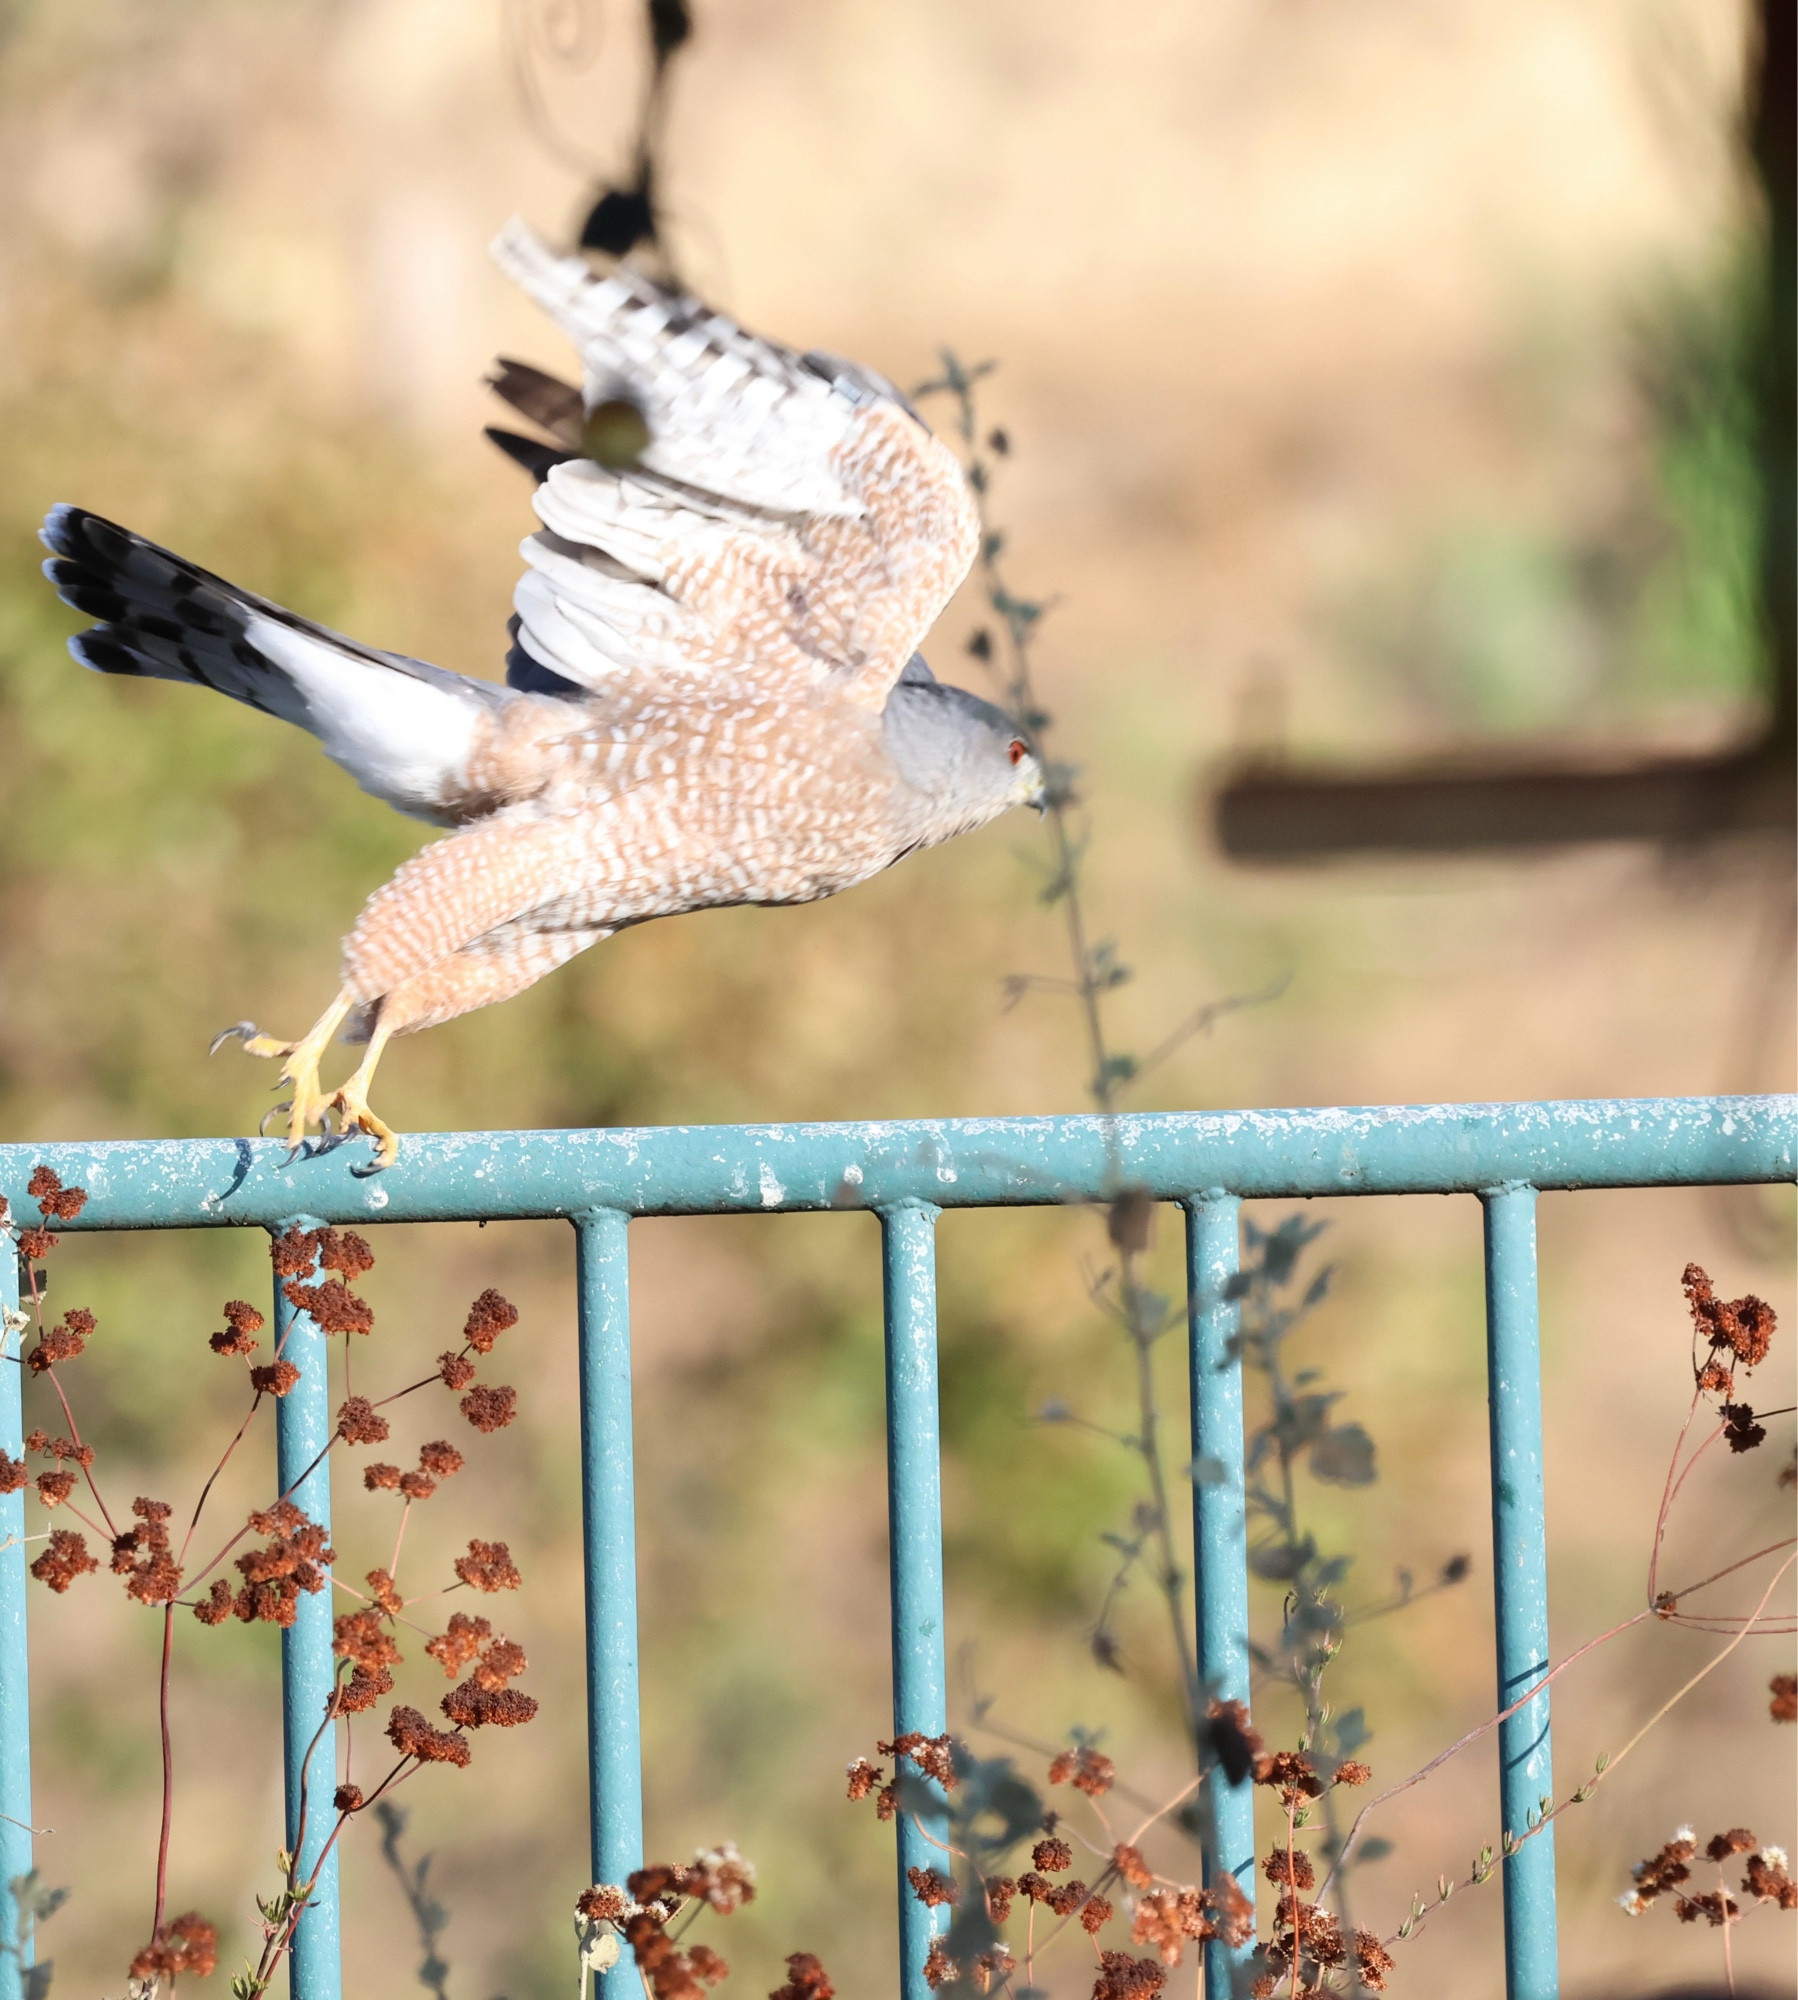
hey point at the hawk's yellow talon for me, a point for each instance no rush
(311, 1104)
(351, 1102)
(266, 1045)
(352, 1107)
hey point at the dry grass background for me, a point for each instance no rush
(1318, 330)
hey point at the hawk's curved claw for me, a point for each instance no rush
(274, 1111)
(239, 1031)
(351, 1106)
(299, 1066)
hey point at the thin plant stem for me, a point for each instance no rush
(1703, 1672)
(1161, 1812)
(212, 1477)
(1609, 1763)
(1660, 1519)
(168, 1772)
(393, 1568)
(1091, 979)
(1472, 1736)
(1729, 1964)
(1742, 1629)
(87, 1472)
(1698, 1452)
(1293, 1893)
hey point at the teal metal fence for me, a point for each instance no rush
(907, 1173)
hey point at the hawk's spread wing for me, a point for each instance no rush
(792, 525)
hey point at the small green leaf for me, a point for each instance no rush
(1351, 1731)
(1344, 1456)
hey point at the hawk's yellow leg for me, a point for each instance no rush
(299, 1067)
(351, 1102)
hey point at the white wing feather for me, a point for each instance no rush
(791, 523)
(728, 413)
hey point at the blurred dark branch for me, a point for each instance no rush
(624, 217)
(1267, 812)
(565, 34)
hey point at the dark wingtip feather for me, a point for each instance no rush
(554, 405)
(537, 458)
(98, 651)
(61, 531)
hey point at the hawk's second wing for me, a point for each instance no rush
(792, 524)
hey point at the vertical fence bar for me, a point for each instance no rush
(15, 1702)
(1220, 1535)
(609, 1517)
(915, 1533)
(1520, 1582)
(303, 1428)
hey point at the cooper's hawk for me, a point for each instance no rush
(713, 694)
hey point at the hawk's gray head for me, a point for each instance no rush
(967, 756)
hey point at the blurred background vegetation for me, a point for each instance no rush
(1372, 372)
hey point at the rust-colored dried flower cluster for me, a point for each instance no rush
(238, 1335)
(64, 1560)
(1308, 1946)
(488, 1566)
(932, 1756)
(412, 1736)
(1728, 1334)
(294, 1559)
(806, 1980)
(290, 1555)
(484, 1697)
(717, 1878)
(1309, 1938)
(1085, 1769)
(66, 1339)
(142, 1555)
(184, 1944)
(55, 1203)
(1165, 1915)
(1766, 1877)
(329, 1302)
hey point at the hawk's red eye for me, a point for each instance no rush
(1019, 750)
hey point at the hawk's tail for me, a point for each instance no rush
(162, 617)
(402, 728)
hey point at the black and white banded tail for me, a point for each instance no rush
(402, 728)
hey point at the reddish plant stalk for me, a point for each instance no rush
(1292, 1891)
(212, 1477)
(87, 1471)
(168, 1773)
(1660, 1519)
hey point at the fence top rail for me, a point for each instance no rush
(948, 1163)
